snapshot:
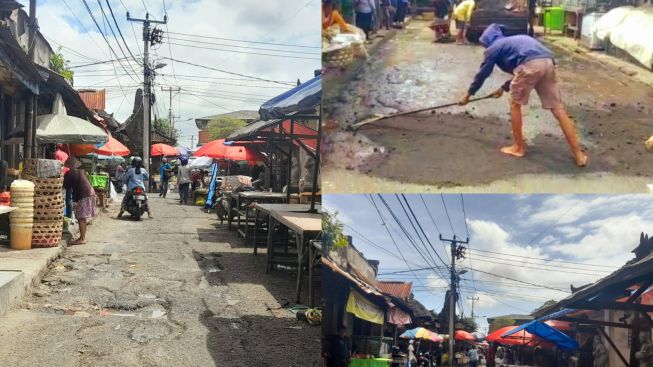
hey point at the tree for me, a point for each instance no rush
(164, 126)
(59, 65)
(500, 322)
(332, 235)
(222, 127)
(546, 304)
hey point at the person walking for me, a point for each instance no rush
(400, 15)
(365, 16)
(472, 354)
(412, 359)
(135, 177)
(83, 197)
(184, 180)
(462, 15)
(491, 355)
(165, 172)
(387, 14)
(533, 67)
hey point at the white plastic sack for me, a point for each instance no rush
(113, 195)
(633, 35)
(610, 21)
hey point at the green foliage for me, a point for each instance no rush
(500, 322)
(546, 304)
(332, 235)
(221, 128)
(164, 126)
(59, 65)
(469, 324)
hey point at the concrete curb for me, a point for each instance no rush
(29, 266)
(634, 72)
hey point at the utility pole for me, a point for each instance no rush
(171, 118)
(192, 140)
(473, 299)
(148, 38)
(457, 252)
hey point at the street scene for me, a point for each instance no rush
(459, 148)
(160, 187)
(453, 279)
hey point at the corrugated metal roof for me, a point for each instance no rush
(94, 99)
(396, 289)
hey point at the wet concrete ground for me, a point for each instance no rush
(178, 290)
(458, 148)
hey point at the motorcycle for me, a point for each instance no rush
(136, 205)
(117, 184)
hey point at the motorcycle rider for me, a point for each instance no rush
(135, 177)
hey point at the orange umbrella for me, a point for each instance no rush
(520, 338)
(462, 335)
(160, 149)
(214, 149)
(243, 153)
(113, 148)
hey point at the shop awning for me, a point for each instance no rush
(304, 98)
(260, 130)
(358, 305)
(547, 333)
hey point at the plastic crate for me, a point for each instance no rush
(554, 19)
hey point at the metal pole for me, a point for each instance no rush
(170, 116)
(146, 94)
(453, 293)
(27, 139)
(316, 168)
(192, 140)
(290, 148)
(32, 30)
(452, 302)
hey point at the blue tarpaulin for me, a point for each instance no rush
(303, 98)
(546, 332)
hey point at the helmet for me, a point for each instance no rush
(137, 161)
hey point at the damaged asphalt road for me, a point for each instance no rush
(177, 290)
(458, 148)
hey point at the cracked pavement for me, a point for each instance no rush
(176, 290)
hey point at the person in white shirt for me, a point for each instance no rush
(365, 15)
(473, 356)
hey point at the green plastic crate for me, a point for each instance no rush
(554, 19)
(99, 181)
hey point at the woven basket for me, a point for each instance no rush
(48, 202)
(46, 186)
(48, 215)
(47, 234)
(340, 58)
(30, 166)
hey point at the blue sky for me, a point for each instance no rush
(204, 92)
(550, 241)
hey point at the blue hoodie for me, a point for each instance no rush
(507, 53)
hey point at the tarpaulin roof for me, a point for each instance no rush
(546, 332)
(303, 98)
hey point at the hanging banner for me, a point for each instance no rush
(363, 309)
(398, 317)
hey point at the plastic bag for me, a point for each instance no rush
(113, 195)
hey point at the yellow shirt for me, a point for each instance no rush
(463, 12)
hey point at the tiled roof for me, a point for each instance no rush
(396, 289)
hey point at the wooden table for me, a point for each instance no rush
(265, 209)
(245, 198)
(305, 226)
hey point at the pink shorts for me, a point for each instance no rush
(538, 74)
(86, 208)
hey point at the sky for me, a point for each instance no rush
(204, 92)
(546, 242)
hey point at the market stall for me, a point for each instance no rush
(301, 103)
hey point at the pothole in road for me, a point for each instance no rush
(150, 331)
(211, 267)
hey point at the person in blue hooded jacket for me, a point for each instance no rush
(532, 66)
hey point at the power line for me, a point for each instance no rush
(547, 260)
(519, 281)
(552, 269)
(229, 72)
(244, 47)
(243, 52)
(239, 40)
(462, 202)
(447, 212)
(119, 31)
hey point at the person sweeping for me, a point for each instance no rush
(532, 66)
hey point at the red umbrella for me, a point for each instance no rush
(214, 149)
(560, 325)
(519, 338)
(163, 150)
(113, 148)
(462, 335)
